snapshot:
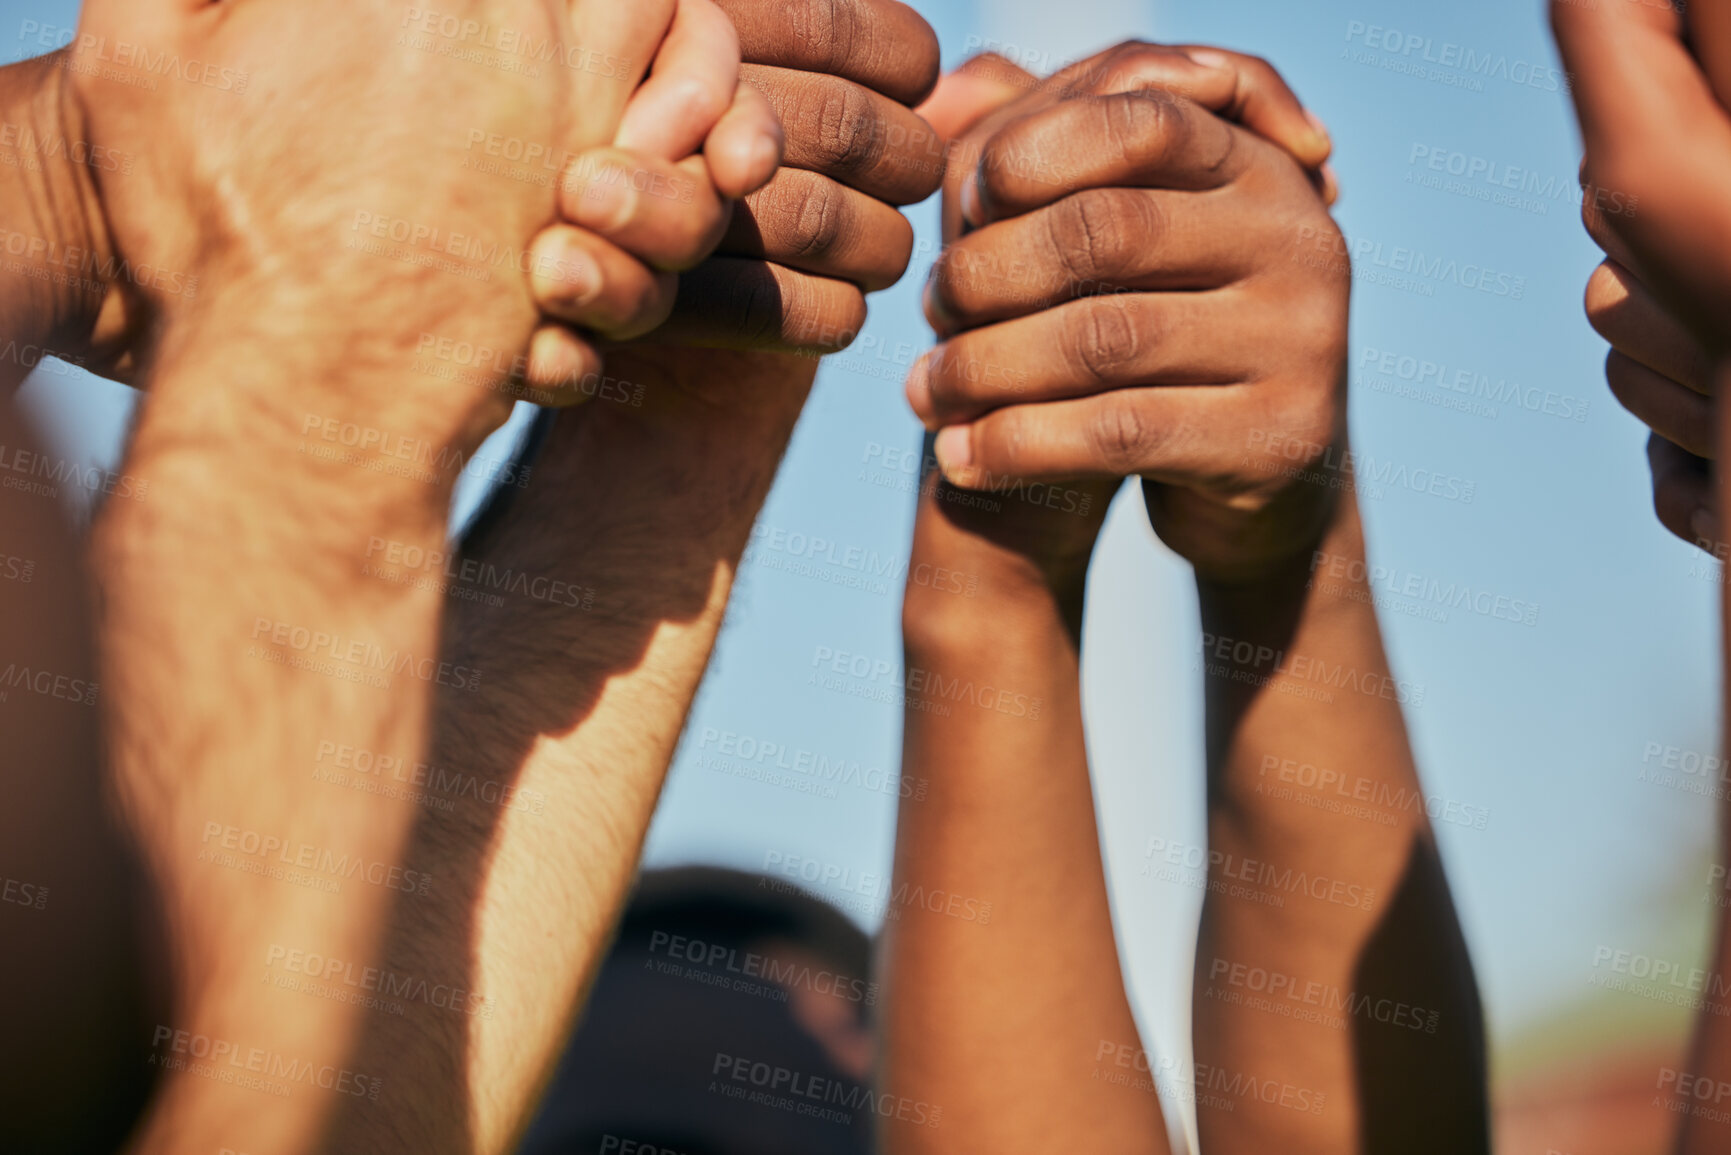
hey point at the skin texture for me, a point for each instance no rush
(604, 273)
(256, 526)
(1123, 375)
(580, 719)
(1654, 130)
(792, 272)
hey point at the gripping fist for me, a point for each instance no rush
(1136, 298)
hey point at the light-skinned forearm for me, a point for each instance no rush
(1016, 1027)
(236, 635)
(640, 515)
(1350, 991)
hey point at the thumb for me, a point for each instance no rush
(610, 50)
(966, 96)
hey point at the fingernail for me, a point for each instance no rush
(1330, 185)
(1324, 143)
(1208, 57)
(606, 199)
(955, 450)
(935, 315)
(973, 211)
(765, 158)
(569, 276)
(919, 389)
(1705, 527)
(556, 362)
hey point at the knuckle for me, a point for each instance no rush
(815, 216)
(848, 140)
(1108, 338)
(1258, 65)
(1121, 435)
(1618, 380)
(1312, 424)
(823, 316)
(1001, 442)
(1092, 232)
(834, 26)
(897, 255)
(959, 277)
(1130, 121)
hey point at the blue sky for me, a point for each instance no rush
(1543, 725)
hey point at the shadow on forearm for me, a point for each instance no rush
(1420, 1091)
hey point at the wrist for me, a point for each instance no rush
(958, 599)
(251, 376)
(1328, 571)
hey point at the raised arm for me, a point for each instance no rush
(1330, 964)
(1657, 138)
(286, 429)
(1014, 1022)
(1227, 397)
(595, 590)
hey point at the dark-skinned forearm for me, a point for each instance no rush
(1299, 692)
(1018, 1028)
